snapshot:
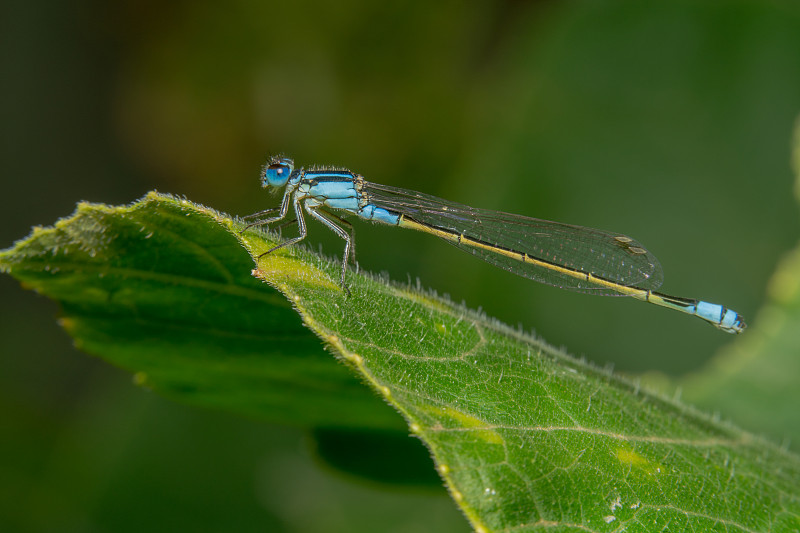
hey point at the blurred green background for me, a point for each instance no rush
(668, 121)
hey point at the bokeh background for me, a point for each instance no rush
(669, 121)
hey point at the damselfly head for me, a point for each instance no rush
(277, 172)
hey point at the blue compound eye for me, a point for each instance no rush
(276, 174)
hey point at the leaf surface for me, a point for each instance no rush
(525, 437)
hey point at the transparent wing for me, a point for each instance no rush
(612, 256)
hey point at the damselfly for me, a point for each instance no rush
(571, 257)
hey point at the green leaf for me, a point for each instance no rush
(524, 436)
(164, 289)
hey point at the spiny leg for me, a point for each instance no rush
(261, 213)
(283, 225)
(301, 224)
(322, 216)
(283, 209)
(350, 229)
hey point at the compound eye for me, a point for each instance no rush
(277, 174)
